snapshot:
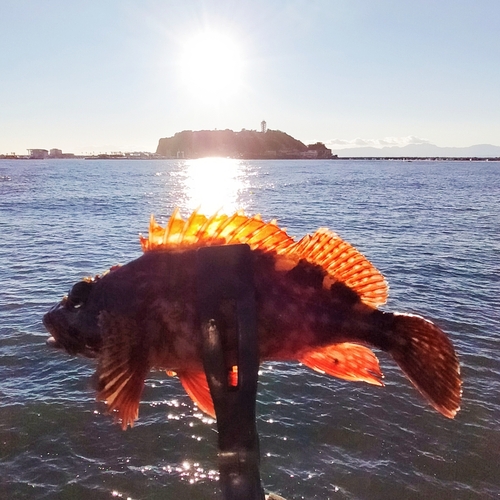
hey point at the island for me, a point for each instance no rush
(246, 144)
(269, 144)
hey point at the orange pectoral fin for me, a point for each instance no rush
(346, 361)
(121, 369)
(196, 386)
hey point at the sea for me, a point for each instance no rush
(431, 227)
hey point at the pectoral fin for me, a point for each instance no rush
(122, 367)
(346, 361)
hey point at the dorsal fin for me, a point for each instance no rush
(344, 263)
(341, 261)
(218, 229)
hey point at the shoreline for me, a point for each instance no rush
(334, 158)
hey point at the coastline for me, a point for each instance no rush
(333, 158)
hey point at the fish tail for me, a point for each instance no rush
(426, 355)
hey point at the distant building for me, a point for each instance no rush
(310, 154)
(38, 154)
(263, 126)
(56, 153)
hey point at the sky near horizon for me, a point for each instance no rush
(117, 75)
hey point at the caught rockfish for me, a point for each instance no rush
(316, 302)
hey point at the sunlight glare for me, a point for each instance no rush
(211, 67)
(214, 184)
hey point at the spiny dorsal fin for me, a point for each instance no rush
(199, 230)
(122, 367)
(346, 361)
(341, 261)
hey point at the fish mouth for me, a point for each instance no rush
(64, 336)
(47, 323)
(50, 327)
(59, 337)
(52, 342)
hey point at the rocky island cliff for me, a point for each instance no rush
(247, 144)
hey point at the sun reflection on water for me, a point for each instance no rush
(214, 184)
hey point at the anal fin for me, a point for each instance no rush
(347, 361)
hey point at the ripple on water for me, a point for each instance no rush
(432, 229)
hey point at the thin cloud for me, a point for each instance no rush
(375, 143)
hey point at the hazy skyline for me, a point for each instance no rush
(102, 76)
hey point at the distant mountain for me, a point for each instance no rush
(422, 150)
(274, 144)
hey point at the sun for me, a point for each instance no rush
(211, 67)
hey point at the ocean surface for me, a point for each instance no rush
(433, 230)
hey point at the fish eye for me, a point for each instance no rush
(79, 294)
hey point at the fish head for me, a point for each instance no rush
(73, 322)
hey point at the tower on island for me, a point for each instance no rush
(263, 126)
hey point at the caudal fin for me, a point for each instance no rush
(426, 356)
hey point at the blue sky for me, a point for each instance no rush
(116, 75)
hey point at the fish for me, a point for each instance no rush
(317, 303)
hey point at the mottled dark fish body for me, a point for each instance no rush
(143, 315)
(295, 312)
